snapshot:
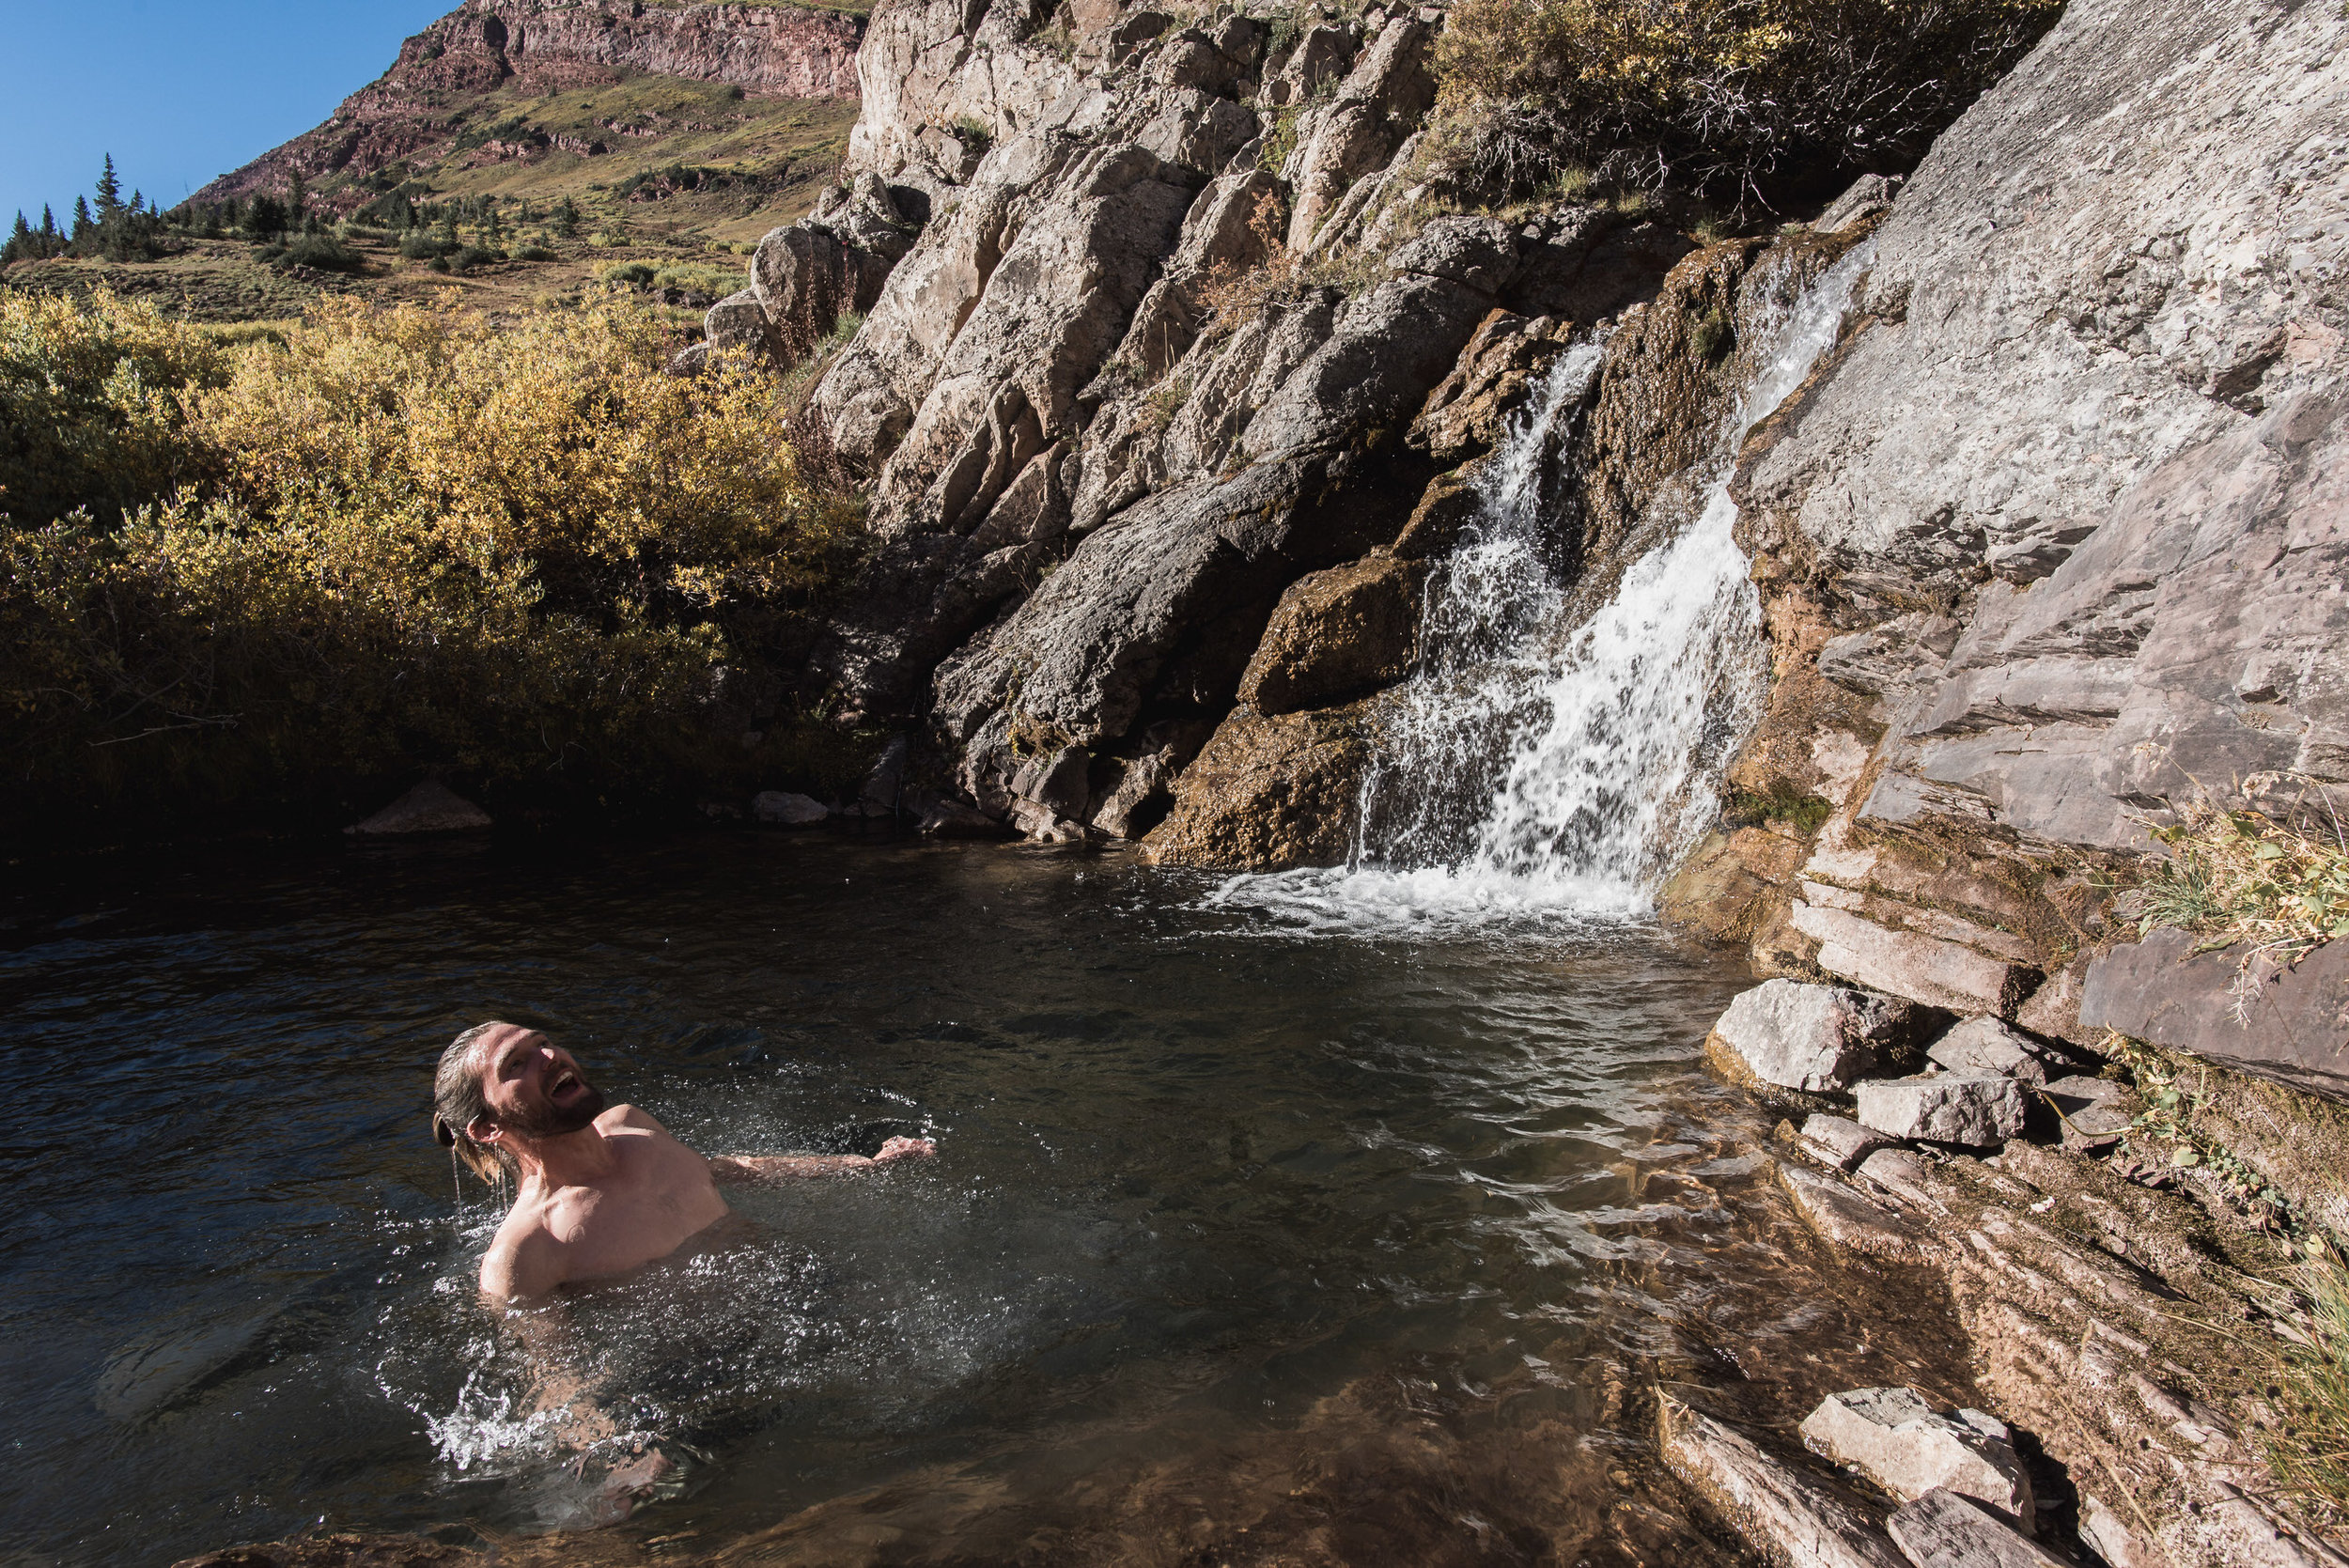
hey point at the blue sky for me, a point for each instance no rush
(177, 90)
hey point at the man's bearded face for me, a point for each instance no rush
(533, 1087)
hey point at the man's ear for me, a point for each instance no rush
(482, 1130)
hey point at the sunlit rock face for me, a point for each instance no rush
(2059, 535)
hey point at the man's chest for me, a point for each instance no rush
(649, 1206)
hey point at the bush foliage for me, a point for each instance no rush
(398, 537)
(1739, 99)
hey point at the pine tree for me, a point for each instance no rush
(109, 188)
(297, 196)
(81, 219)
(48, 224)
(19, 245)
(138, 202)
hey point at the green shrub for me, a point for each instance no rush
(696, 277)
(416, 245)
(470, 256)
(405, 539)
(536, 253)
(1743, 99)
(632, 275)
(321, 251)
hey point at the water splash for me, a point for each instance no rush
(1537, 770)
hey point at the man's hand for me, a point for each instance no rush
(905, 1148)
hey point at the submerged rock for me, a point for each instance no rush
(431, 807)
(1945, 1530)
(1902, 1444)
(788, 810)
(1787, 1516)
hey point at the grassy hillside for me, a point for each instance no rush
(658, 170)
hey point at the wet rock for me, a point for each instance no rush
(1268, 792)
(943, 819)
(1838, 1142)
(1899, 1441)
(886, 782)
(1811, 1039)
(1336, 635)
(1869, 195)
(1973, 1109)
(430, 807)
(1788, 1517)
(1469, 412)
(2293, 1026)
(1985, 1045)
(1903, 1173)
(787, 809)
(1943, 1530)
(1847, 1221)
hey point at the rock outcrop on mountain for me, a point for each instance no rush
(536, 47)
(2058, 537)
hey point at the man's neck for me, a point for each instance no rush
(579, 1158)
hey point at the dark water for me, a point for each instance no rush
(1239, 1246)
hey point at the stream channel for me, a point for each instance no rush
(1248, 1238)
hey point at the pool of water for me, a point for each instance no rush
(1248, 1237)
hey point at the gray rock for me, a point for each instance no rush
(1973, 1109)
(2095, 1110)
(740, 321)
(1786, 1516)
(1903, 1173)
(1838, 1140)
(886, 782)
(430, 807)
(1811, 1039)
(943, 819)
(2161, 990)
(1985, 1045)
(1868, 196)
(1937, 971)
(1848, 1220)
(1897, 1439)
(1943, 1530)
(787, 809)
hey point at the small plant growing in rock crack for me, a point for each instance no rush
(972, 131)
(1782, 803)
(2244, 878)
(2174, 1093)
(1713, 336)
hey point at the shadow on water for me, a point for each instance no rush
(1242, 1244)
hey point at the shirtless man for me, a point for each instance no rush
(598, 1192)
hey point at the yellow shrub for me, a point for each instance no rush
(89, 414)
(1742, 99)
(424, 540)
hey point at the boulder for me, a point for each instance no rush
(804, 278)
(1336, 635)
(739, 321)
(1944, 1530)
(1268, 793)
(787, 809)
(2290, 1025)
(1985, 1045)
(1973, 1109)
(431, 807)
(1898, 1440)
(1787, 1518)
(1838, 1140)
(1811, 1039)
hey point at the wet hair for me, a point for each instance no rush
(458, 1101)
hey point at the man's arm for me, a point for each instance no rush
(775, 1167)
(520, 1269)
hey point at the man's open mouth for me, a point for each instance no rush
(565, 1081)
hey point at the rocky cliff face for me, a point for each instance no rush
(2059, 535)
(536, 47)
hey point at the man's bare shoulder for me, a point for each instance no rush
(525, 1258)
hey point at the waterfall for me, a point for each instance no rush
(1533, 768)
